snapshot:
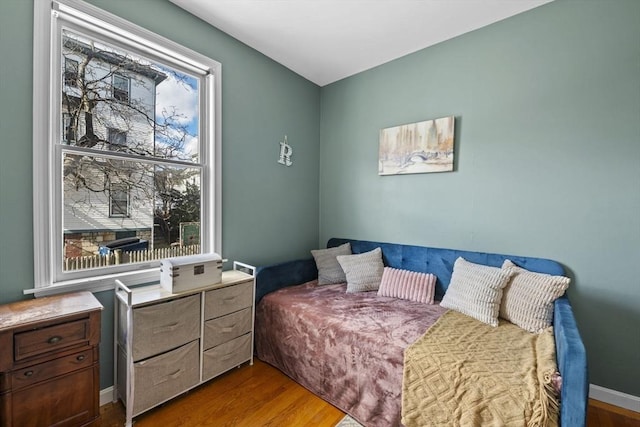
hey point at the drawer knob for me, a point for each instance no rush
(80, 358)
(54, 340)
(28, 373)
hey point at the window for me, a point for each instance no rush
(68, 128)
(70, 72)
(135, 149)
(117, 139)
(119, 201)
(120, 88)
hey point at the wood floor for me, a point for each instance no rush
(250, 396)
(260, 395)
(602, 414)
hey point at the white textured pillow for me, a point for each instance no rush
(363, 271)
(528, 298)
(476, 290)
(409, 285)
(329, 270)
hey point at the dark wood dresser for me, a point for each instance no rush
(49, 361)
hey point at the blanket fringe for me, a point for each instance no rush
(547, 409)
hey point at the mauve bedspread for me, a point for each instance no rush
(345, 347)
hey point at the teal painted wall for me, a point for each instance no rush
(547, 105)
(263, 202)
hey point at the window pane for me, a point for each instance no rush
(117, 140)
(68, 128)
(154, 104)
(119, 200)
(120, 88)
(177, 206)
(158, 206)
(70, 72)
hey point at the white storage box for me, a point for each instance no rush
(184, 273)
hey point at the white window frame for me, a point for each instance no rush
(49, 17)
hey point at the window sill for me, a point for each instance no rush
(97, 283)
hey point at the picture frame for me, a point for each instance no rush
(421, 147)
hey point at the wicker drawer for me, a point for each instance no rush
(151, 367)
(162, 327)
(226, 356)
(165, 376)
(219, 302)
(225, 328)
(52, 338)
(44, 371)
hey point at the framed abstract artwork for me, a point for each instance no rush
(420, 147)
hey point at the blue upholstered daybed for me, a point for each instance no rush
(570, 351)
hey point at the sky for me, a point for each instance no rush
(180, 91)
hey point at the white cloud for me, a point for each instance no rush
(173, 94)
(191, 145)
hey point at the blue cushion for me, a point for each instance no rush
(273, 277)
(440, 261)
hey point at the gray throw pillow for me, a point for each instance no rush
(363, 271)
(476, 290)
(329, 270)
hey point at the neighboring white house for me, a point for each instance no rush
(108, 104)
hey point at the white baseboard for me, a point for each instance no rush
(106, 395)
(614, 397)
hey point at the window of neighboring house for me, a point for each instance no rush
(70, 72)
(68, 128)
(156, 179)
(120, 88)
(119, 200)
(117, 139)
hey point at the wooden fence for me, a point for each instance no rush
(118, 257)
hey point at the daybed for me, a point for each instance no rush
(348, 348)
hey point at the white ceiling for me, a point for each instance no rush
(328, 40)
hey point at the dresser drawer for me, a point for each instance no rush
(66, 401)
(226, 356)
(52, 338)
(161, 327)
(225, 328)
(219, 302)
(165, 376)
(53, 368)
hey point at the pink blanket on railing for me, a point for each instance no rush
(346, 348)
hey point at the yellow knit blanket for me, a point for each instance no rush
(463, 372)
